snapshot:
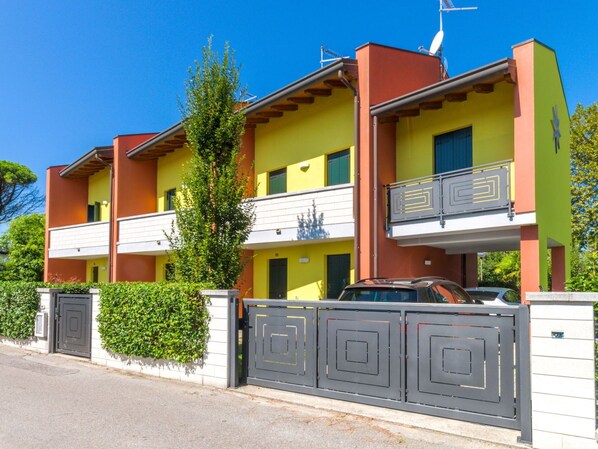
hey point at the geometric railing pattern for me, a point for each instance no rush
(464, 362)
(469, 190)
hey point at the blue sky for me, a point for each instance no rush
(73, 74)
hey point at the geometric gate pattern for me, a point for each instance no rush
(73, 324)
(466, 364)
(447, 360)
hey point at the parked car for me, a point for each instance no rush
(495, 296)
(424, 290)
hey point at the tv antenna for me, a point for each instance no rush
(436, 45)
(327, 56)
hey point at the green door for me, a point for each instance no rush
(338, 267)
(277, 279)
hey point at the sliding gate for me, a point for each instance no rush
(463, 362)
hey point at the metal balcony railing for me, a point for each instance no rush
(466, 191)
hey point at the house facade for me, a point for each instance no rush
(371, 166)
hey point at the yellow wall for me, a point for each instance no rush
(489, 115)
(305, 281)
(305, 135)
(99, 191)
(102, 272)
(161, 262)
(553, 200)
(170, 171)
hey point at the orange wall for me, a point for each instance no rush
(524, 130)
(384, 73)
(63, 213)
(134, 194)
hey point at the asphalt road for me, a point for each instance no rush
(53, 401)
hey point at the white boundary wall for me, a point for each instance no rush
(212, 370)
(562, 370)
(37, 344)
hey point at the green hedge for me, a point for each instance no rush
(19, 302)
(157, 320)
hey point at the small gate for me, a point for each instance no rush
(463, 362)
(73, 324)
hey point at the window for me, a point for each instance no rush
(277, 181)
(169, 272)
(169, 196)
(338, 269)
(453, 151)
(93, 212)
(337, 168)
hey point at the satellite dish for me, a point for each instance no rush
(436, 43)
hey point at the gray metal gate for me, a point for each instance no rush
(73, 324)
(462, 362)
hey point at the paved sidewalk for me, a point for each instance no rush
(54, 401)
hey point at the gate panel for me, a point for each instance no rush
(358, 353)
(444, 360)
(461, 362)
(73, 325)
(282, 345)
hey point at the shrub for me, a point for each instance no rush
(19, 302)
(157, 320)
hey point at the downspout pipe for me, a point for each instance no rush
(111, 222)
(375, 224)
(356, 173)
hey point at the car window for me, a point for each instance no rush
(451, 293)
(441, 294)
(483, 295)
(512, 297)
(379, 295)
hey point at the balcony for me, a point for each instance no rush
(280, 220)
(145, 234)
(462, 210)
(303, 217)
(83, 241)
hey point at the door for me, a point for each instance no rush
(338, 268)
(73, 325)
(277, 279)
(453, 151)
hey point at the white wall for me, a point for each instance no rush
(212, 370)
(562, 370)
(84, 240)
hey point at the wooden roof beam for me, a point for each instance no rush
(270, 114)
(456, 97)
(319, 92)
(408, 113)
(483, 88)
(430, 105)
(285, 107)
(302, 100)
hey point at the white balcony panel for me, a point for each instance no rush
(278, 220)
(489, 231)
(84, 241)
(145, 234)
(288, 218)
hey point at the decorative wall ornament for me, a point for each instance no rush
(556, 131)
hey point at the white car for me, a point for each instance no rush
(495, 296)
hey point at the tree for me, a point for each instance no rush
(23, 244)
(18, 195)
(500, 269)
(213, 220)
(584, 177)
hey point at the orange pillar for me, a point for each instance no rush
(558, 268)
(530, 260)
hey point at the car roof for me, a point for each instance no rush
(407, 283)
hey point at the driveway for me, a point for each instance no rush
(54, 401)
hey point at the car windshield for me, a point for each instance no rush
(379, 295)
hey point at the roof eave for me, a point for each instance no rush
(104, 151)
(505, 67)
